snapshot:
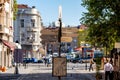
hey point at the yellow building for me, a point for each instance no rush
(6, 33)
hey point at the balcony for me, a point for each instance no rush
(30, 43)
(32, 29)
(4, 29)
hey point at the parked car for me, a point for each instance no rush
(69, 58)
(40, 61)
(27, 60)
(75, 60)
(34, 60)
(30, 60)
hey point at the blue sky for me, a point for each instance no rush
(71, 10)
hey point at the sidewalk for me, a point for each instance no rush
(9, 74)
(22, 70)
(91, 74)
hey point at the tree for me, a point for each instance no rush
(15, 9)
(103, 20)
(82, 34)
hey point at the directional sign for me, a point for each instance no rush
(66, 39)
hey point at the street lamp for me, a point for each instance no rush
(17, 57)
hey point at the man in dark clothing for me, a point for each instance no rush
(108, 70)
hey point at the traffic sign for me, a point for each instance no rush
(66, 39)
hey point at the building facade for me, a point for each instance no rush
(27, 27)
(6, 33)
(50, 39)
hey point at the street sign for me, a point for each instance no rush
(66, 39)
(59, 68)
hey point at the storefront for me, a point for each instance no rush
(6, 53)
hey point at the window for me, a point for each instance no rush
(33, 37)
(22, 22)
(22, 35)
(33, 22)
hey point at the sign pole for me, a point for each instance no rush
(59, 33)
(59, 36)
(59, 78)
(60, 29)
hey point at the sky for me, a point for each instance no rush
(71, 10)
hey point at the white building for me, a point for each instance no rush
(27, 28)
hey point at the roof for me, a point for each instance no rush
(22, 6)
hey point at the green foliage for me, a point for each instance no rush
(15, 9)
(82, 36)
(98, 61)
(103, 20)
(98, 65)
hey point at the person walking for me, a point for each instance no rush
(108, 68)
(91, 64)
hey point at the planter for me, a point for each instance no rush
(3, 69)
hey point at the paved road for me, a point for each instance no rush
(42, 72)
(74, 72)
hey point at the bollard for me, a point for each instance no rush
(86, 66)
(16, 69)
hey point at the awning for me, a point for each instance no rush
(90, 51)
(9, 45)
(79, 48)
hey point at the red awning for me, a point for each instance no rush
(90, 51)
(9, 44)
(79, 48)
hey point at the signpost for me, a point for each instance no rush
(59, 66)
(59, 63)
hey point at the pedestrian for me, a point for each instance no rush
(91, 64)
(108, 68)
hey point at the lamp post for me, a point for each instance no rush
(17, 57)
